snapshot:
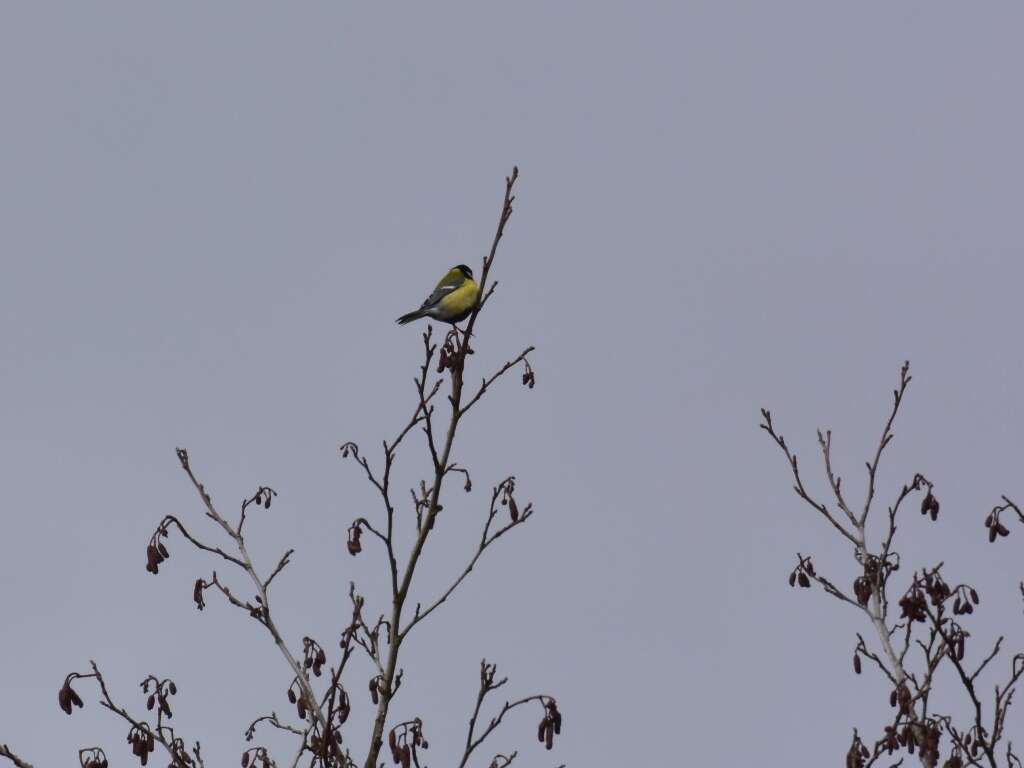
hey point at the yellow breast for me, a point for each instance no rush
(462, 300)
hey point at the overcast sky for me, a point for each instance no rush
(212, 213)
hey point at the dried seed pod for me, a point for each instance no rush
(974, 596)
(354, 544)
(245, 759)
(803, 580)
(291, 696)
(856, 663)
(151, 701)
(173, 688)
(393, 744)
(64, 699)
(792, 579)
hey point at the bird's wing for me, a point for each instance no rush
(449, 283)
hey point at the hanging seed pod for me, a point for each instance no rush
(393, 744)
(64, 699)
(792, 579)
(862, 589)
(245, 759)
(291, 696)
(856, 663)
(974, 596)
(803, 580)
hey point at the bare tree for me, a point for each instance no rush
(930, 632)
(319, 690)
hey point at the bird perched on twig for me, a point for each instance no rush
(453, 299)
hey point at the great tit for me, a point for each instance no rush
(452, 301)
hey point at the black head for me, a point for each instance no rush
(465, 270)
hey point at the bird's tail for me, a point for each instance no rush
(409, 317)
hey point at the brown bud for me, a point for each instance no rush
(862, 589)
(64, 699)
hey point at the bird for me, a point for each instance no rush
(453, 300)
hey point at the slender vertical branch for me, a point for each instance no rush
(433, 507)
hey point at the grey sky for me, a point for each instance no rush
(212, 214)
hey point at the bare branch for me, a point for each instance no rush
(6, 751)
